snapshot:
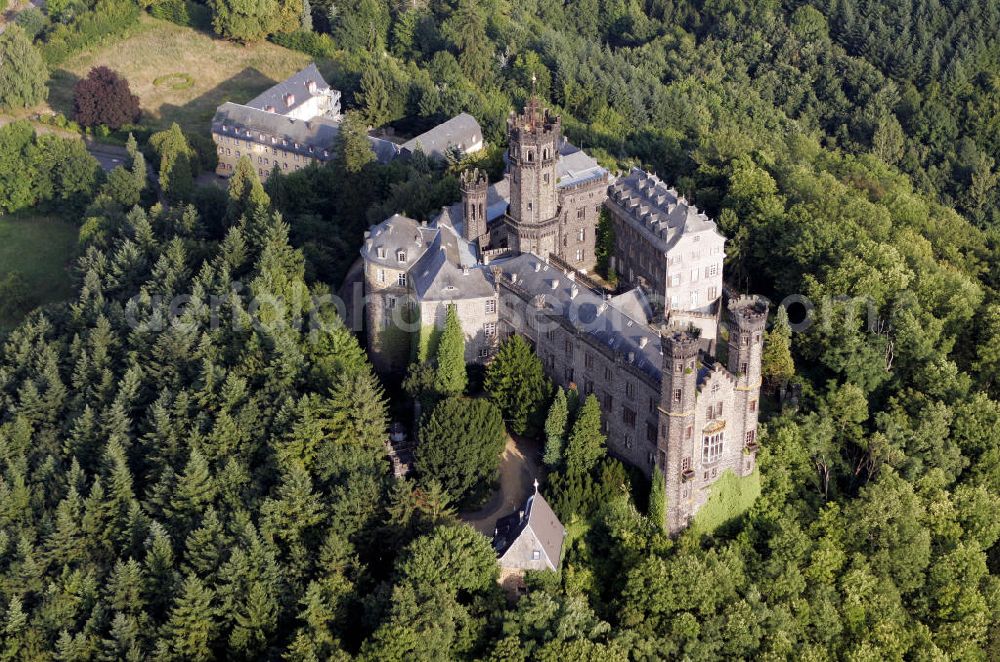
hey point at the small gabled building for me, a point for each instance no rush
(530, 539)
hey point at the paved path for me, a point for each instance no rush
(519, 467)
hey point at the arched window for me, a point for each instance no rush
(711, 448)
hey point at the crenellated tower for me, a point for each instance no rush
(474, 184)
(748, 319)
(533, 153)
(678, 395)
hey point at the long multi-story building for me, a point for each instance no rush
(503, 258)
(296, 123)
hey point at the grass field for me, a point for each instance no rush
(39, 248)
(219, 71)
(731, 497)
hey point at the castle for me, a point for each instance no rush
(512, 257)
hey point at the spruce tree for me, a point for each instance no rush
(777, 364)
(451, 377)
(657, 509)
(517, 384)
(586, 441)
(246, 193)
(190, 631)
(374, 96)
(555, 428)
(353, 147)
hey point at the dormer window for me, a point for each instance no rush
(380, 251)
(401, 256)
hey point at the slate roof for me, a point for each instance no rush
(538, 519)
(601, 318)
(657, 208)
(248, 123)
(296, 85)
(462, 131)
(575, 166)
(634, 304)
(393, 234)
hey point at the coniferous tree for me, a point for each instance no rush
(190, 631)
(657, 509)
(777, 364)
(451, 377)
(353, 146)
(460, 444)
(516, 383)
(374, 96)
(246, 194)
(586, 441)
(555, 429)
(178, 162)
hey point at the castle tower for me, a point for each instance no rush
(678, 393)
(748, 317)
(533, 152)
(474, 184)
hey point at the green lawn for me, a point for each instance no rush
(731, 496)
(40, 249)
(156, 56)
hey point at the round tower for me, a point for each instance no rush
(678, 394)
(748, 319)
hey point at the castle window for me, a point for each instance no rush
(607, 374)
(484, 352)
(694, 275)
(491, 306)
(715, 388)
(569, 348)
(588, 360)
(545, 178)
(709, 412)
(694, 298)
(536, 554)
(569, 375)
(689, 433)
(588, 387)
(713, 293)
(677, 395)
(675, 280)
(608, 401)
(381, 275)
(380, 251)
(650, 433)
(743, 368)
(490, 329)
(579, 255)
(751, 436)
(753, 406)
(401, 256)
(628, 417)
(686, 464)
(718, 410)
(630, 389)
(401, 280)
(628, 441)
(652, 405)
(711, 448)
(390, 302)
(756, 338)
(713, 270)
(580, 214)
(679, 368)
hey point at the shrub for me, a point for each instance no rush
(109, 17)
(104, 98)
(311, 43)
(22, 71)
(183, 12)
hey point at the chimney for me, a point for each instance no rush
(631, 357)
(289, 99)
(513, 278)
(555, 283)
(573, 291)
(269, 108)
(643, 341)
(465, 270)
(538, 267)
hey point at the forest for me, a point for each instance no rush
(193, 485)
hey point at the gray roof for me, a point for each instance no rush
(657, 208)
(539, 519)
(634, 304)
(589, 311)
(308, 137)
(397, 233)
(296, 85)
(575, 166)
(462, 131)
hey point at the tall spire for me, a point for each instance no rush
(536, 486)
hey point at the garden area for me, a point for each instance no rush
(179, 74)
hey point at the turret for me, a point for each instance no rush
(474, 184)
(679, 390)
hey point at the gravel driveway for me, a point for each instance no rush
(519, 468)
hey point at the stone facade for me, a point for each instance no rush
(665, 245)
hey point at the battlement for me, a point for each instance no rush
(679, 344)
(749, 311)
(474, 179)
